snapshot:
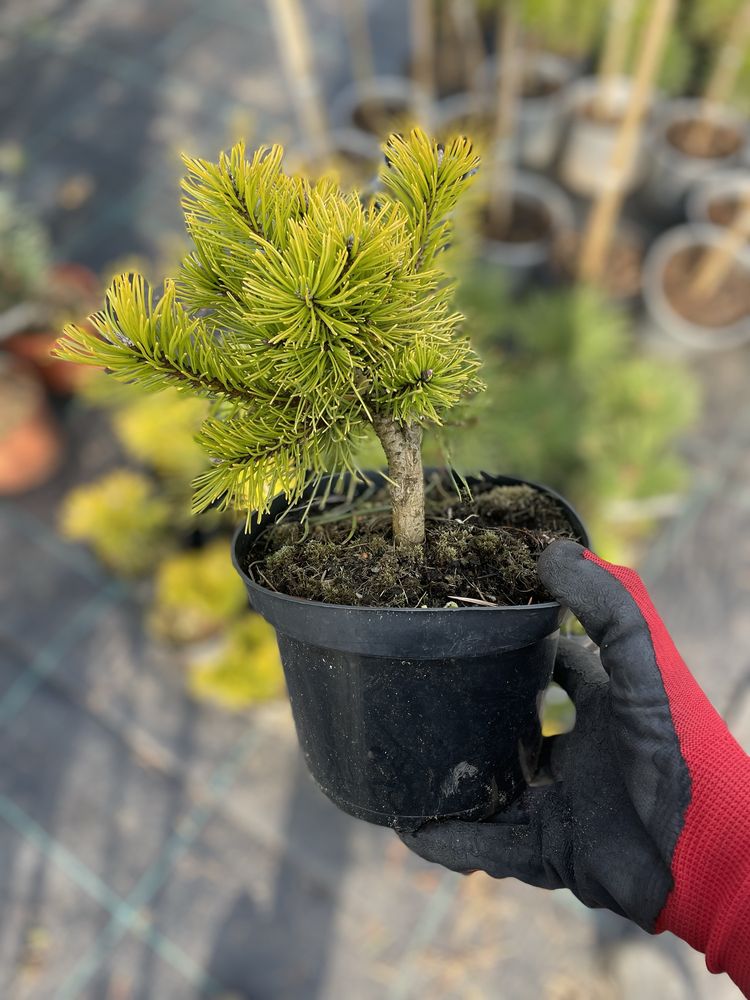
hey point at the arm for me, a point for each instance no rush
(648, 809)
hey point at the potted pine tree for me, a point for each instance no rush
(414, 633)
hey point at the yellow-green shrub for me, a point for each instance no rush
(122, 518)
(196, 593)
(245, 672)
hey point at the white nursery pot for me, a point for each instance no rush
(464, 114)
(715, 187)
(344, 142)
(541, 119)
(522, 258)
(672, 172)
(587, 153)
(661, 313)
(396, 90)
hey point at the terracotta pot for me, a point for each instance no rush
(72, 292)
(30, 445)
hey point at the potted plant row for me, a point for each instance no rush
(691, 137)
(414, 633)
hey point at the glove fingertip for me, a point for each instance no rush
(558, 557)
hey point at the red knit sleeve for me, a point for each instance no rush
(709, 906)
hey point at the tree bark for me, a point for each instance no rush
(402, 444)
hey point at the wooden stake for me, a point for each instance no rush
(469, 31)
(508, 83)
(292, 41)
(716, 262)
(728, 64)
(614, 54)
(423, 58)
(360, 42)
(606, 209)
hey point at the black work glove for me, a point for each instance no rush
(647, 807)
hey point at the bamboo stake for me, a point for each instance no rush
(728, 64)
(508, 82)
(423, 55)
(360, 42)
(723, 78)
(604, 214)
(615, 52)
(716, 262)
(292, 41)
(466, 23)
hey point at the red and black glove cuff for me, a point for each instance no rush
(709, 904)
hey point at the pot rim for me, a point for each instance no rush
(343, 139)
(551, 65)
(581, 90)
(693, 334)
(388, 86)
(370, 608)
(545, 192)
(725, 182)
(667, 113)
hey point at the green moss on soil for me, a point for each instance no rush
(482, 548)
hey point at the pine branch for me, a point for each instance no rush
(428, 179)
(155, 345)
(304, 314)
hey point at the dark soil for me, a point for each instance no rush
(480, 550)
(703, 140)
(450, 71)
(476, 126)
(729, 303)
(529, 221)
(539, 86)
(621, 275)
(722, 211)
(380, 117)
(353, 169)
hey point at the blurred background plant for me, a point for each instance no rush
(25, 254)
(137, 521)
(574, 403)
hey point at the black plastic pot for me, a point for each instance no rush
(406, 715)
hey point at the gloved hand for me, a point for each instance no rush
(648, 809)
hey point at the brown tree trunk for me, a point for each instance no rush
(402, 444)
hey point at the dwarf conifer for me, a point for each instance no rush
(307, 315)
